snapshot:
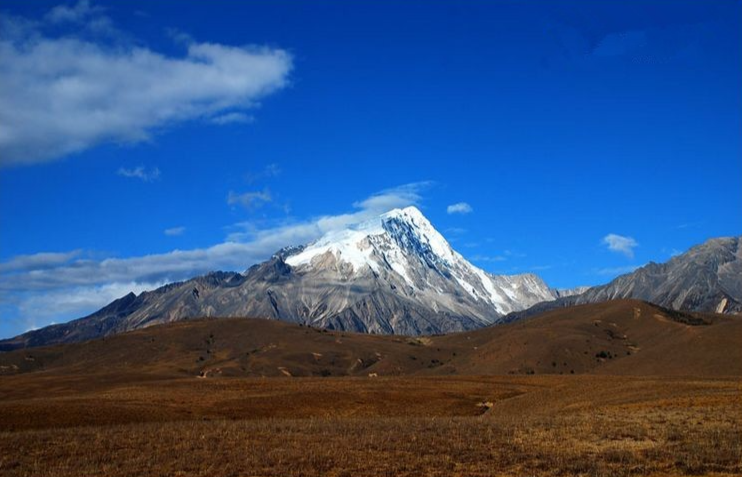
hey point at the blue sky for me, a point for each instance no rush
(143, 142)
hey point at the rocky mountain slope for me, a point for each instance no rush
(706, 278)
(393, 274)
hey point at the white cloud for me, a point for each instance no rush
(249, 200)
(141, 173)
(459, 208)
(63, 94)
(28, 281)
(620, 244)
(175, 231)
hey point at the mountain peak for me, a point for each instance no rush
(410, 213)
(357, 245)
(718, 243)
(418, 231)
(403, 250)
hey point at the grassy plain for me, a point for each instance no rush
(437, 426)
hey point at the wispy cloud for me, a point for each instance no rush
(617, 270)
(70, 91)
(396, 197)
(77, 13)
(141, 173)
(232, 118)
(249, 200)
(60, 305)
(295, 233)
(270, 171)
(459, 208)
(539, 268)
(175, 231)
(501, 257)
(620, 244)
(38, 261)
(688, 225)
(489, 258)
(621, 43)
(518, 269)
(86, 283)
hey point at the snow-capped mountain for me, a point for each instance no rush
(392, 274)
(403, 249)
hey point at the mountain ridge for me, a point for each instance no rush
(394, 274)
(705, 278)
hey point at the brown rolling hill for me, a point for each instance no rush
(622, 337)
(627, 337)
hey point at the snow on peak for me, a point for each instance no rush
(349, 245)
(404, 241)
(407, 227)
(408, 213)
(422, 229)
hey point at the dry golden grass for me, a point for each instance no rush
(212, 398)
(367, 427)
(575, 445)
